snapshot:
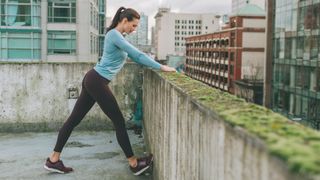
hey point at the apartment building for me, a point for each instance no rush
(171, 29)
(233, 54)
(52, 30)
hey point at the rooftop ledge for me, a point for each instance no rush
(298, 146)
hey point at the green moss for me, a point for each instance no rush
(297, 145)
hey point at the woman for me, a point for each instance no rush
(95, 89)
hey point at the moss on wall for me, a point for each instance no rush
(297, 145)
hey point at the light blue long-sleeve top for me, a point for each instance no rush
(115, 51)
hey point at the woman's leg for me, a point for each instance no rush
(83, 105)
(110, 107)
(98, 89)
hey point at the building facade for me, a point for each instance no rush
(102, 25)
(171, 29)
(50, 31)
(296, 60)
(239, 4)
(236, 53)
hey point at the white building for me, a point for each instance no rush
(171, 29)
(52, 30)
(239, 4)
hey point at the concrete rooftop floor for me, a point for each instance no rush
(93, 155)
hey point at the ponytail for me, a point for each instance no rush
(121, 13)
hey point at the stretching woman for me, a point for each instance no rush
(95, 89)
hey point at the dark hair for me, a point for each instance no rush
(121, 13)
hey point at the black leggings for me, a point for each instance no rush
(95, 89)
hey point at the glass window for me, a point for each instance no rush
(102, 5)
(20, 46)
(297, 107)
(304, 107)
(62, 11)
(303, 77)
(288, 46)
(318, 80)
(315, 16)
(300, 47)
(20, 13)
(301, 18)
(61, 42)
(314, 47)
(276, 74)
(285, 74)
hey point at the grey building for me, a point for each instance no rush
(294, 58)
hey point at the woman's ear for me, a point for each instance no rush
(125, 20)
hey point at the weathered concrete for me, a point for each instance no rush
(191, 141)
(93, 155)
(40, 96)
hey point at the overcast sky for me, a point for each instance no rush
(150, 7)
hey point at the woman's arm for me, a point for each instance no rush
(136, 55)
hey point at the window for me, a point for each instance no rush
(61, 42)
(62, 11)
(102, 5)
(314, 47)
(302, 77)
(20, 13)
(102, 28)
(287, 49)
(231, 56)
(20, 46)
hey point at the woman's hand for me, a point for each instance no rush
(167, 68)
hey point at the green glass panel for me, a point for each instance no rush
(57, 19)
(50, 10)
(19, 43)
(19, 54)
(61, 44)
(2, 11)
(4, 42)
(24, 10)
(19, 35)
(73, 12)
(73, 44)
(62, 4)
(62, 12)
(4, 53)
(36, 44)
(36, 54)
(24, 1)
(36, 21)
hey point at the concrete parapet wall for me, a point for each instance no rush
(198, 133)
(40, 96)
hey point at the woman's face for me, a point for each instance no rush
(130, 26)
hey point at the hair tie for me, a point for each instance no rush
(123, 9)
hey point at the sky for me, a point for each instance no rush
(150, 7)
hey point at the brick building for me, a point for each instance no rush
(233, 54)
